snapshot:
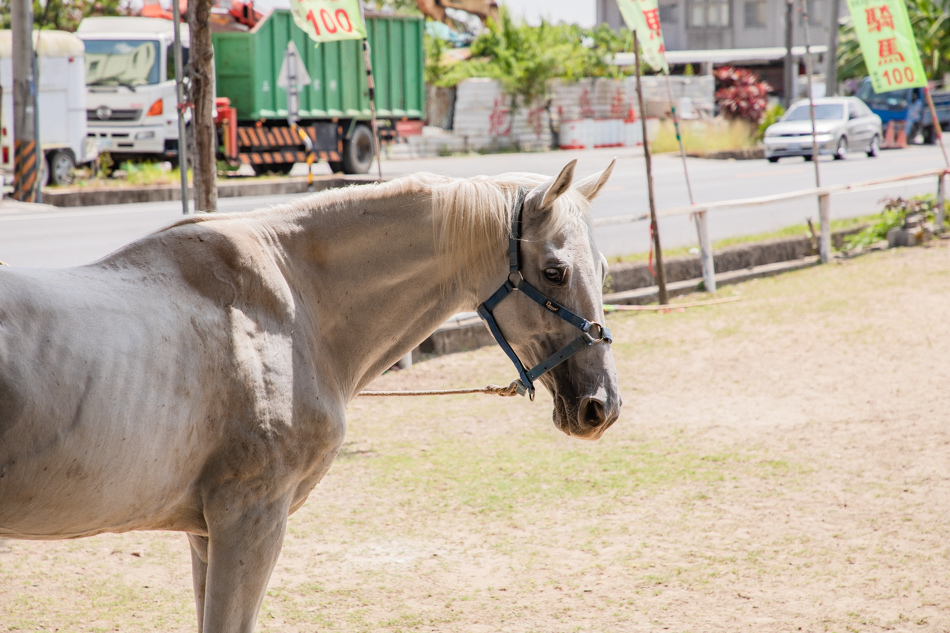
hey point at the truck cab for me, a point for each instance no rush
(130, 85)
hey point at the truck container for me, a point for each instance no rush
(61, 101)
(334, 107)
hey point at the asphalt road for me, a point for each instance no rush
(62, 237)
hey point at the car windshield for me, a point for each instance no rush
(823, 112)
(894, 101)
(126, 63)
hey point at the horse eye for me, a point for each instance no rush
(554, 275)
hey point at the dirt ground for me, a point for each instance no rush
(781, 464)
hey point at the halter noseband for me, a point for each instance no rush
(516, 281)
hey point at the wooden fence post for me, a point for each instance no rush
(941, 196)
(705, 251)
(824, 214)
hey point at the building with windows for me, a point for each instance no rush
(748, 33)
(728, 24)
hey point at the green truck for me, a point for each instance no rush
(253, 122)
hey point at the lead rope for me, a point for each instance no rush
(510, 390)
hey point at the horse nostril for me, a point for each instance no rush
(593, 412)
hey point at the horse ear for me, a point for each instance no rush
(554, 188)
(591, 186)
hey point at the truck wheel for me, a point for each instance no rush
(358, 151)
(930, 135)
(58, 169)
(336, 166)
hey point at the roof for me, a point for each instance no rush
(726, 55)
(52, 44)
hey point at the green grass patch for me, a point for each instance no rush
(796, 230)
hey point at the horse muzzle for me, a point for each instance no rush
(588, 416)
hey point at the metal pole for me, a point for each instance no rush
(654, 228)
(705, 248)
(26, 157)
(789, 59)
(831, 70)
(371, 88)
(180, 92)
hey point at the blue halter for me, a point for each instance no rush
(516, 281)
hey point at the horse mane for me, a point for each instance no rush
(471, 217)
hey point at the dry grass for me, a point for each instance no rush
(704, 137)
(782, 465)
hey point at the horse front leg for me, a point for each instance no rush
(199, 573)
(242, 550)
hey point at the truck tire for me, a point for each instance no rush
(58, 168)
(358, 151)
(280, 169)
(930, 135)
(335, 165)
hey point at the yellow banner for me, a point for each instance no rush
(887, 44)
(329, 20)
(643, 16)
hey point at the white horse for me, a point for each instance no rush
(196, 379)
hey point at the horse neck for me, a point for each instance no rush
(371, 275)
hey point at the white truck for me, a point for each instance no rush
(62, 106)
(130, 85)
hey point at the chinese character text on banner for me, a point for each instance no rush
(329, 20)
(887, 43)
(643, 16)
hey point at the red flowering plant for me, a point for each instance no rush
(740, 94)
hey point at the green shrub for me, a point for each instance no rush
(892, 216)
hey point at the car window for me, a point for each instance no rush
(823, 111)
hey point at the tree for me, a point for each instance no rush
(65, 15)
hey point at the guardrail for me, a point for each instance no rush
(699, 211)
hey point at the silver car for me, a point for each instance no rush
(842, 124)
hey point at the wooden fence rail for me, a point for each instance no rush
(700, 210)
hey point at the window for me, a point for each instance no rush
(669, 14)
(121, 62)
(755, 14)
(704, 13)
(816, 13)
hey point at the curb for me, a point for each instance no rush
(95, 196)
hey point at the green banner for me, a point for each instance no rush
(329, 20)
(643, 16)
(888, 44)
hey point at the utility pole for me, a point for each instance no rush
(789, 58)
(831, 71)
(205, 164)
(25, 155)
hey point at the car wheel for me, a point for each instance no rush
(874, 147)
(59, 168)
(358, 151)
(842, 150)
(772, 159)
(807, 157)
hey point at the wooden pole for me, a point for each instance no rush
(941, 201)
(936, 122)
(654, 228)
(824, 216)
(180, 95)
(205, 163)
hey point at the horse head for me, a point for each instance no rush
(555, 324)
